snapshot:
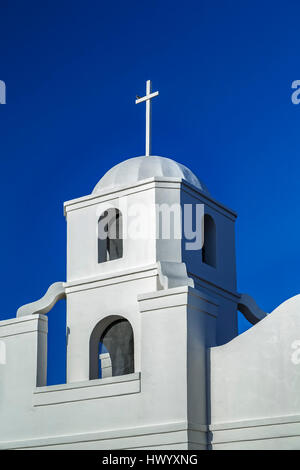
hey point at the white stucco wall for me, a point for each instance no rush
(255, 382)
(193, 386)
(147, 408)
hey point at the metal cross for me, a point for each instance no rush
(148, 97)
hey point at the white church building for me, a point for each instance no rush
(154, 360)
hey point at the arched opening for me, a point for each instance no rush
(110, 235)
(111, 348)
(209, 249)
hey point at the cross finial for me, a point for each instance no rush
(148, 97)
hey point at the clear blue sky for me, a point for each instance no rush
(224, 71)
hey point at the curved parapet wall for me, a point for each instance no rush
(55, 292)
(255, 383)
(249, 308)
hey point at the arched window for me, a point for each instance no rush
(110, 236)
(209, 249)
(111, 348)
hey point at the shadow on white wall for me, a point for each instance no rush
(2, 353)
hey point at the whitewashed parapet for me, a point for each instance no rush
(55, 292)
(249, 308)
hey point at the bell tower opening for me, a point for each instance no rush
(110, 239)
(209, 249)
(111, 348)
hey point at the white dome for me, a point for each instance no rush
(139, 168)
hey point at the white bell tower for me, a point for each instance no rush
(153, 361)
(178, 301)
(146, 299)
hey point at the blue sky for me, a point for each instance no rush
(224, 71)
